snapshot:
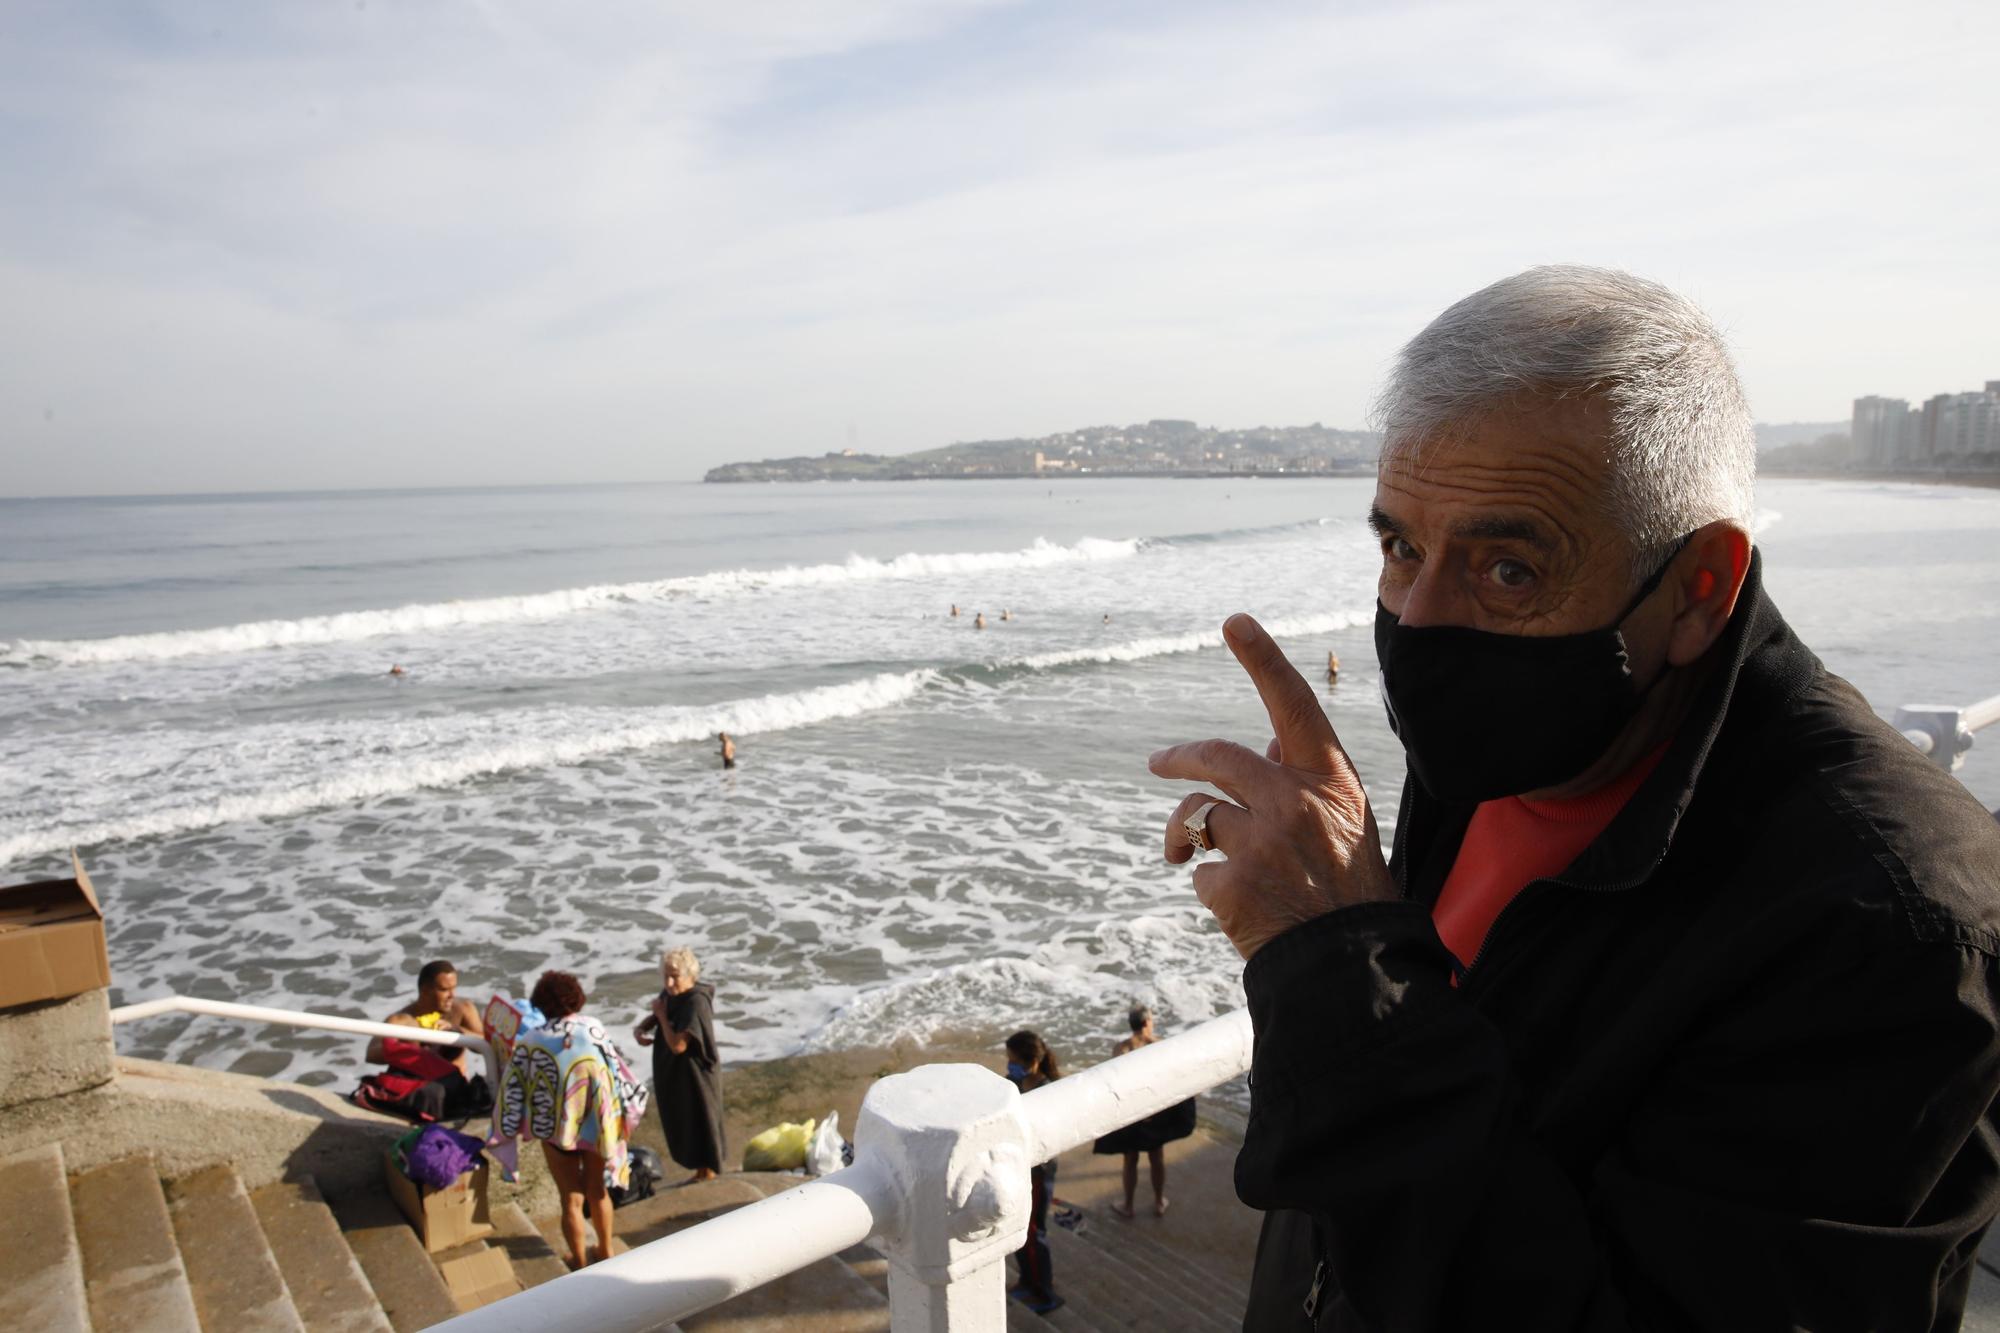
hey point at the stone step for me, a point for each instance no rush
(535, 1260)
(1129, 1241)
(551, 1232)
(1076, 1314)
(1020, 1319)
(1119, 1294)
(1166, 1273)
(41, 1264)
(406, 1283)
(132, 1269)
(672, 1210)
(1071, 1317)
(325, 1280)
(230, 1268)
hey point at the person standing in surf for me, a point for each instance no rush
(687, 1075)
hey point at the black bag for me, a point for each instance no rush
(646, 1173)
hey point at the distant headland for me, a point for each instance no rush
(1165, 447)
(1158, 448)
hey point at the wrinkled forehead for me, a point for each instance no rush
(1538, 471)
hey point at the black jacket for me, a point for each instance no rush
(1731, 1070)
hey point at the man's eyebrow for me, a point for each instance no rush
(1500, 528)
(1379, 520)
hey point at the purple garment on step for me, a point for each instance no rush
(440, 1156)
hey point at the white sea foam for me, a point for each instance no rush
(349, 626)
(347, 786)
(1135, 650)
(1075, 988)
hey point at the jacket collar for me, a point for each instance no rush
(1756, 663)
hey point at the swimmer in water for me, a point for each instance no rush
(1332, 668)
(954, 608)
(979, 621)
(1005, 614)
(1107, 617)
(397, 670)
(728, 749)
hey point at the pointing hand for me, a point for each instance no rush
(1299, 836)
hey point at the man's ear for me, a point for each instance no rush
(1708, 575)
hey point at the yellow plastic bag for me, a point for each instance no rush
(779, 1148)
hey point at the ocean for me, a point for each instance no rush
(933, 829)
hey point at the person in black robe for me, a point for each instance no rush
(1151, 1135)
(687, 1073)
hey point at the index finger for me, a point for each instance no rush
(1225, 764)
(1305, 738)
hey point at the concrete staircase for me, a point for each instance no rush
(115, 1249)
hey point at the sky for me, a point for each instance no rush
(360, 244)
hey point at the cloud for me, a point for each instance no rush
(329, 246)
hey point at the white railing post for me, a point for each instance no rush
(952, 1141)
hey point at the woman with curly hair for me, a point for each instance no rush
(570, 1087)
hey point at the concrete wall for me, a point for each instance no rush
(188, 1118)
(55, 1048)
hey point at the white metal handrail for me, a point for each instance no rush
(939, 1183)
(1945, 731)
(300, 1018)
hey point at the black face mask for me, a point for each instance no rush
(1483, 715)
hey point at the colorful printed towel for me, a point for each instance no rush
(567, 1084)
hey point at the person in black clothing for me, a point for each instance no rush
(1149, 1136)
(687, 1075)
(1728, 1064)
(1031, 1064)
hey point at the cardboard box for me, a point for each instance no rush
(478, 1277)
(443, 1218)
(51, 940)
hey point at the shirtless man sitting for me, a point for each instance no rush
(437, 1007)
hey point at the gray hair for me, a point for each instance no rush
(1138, 1016)
(683, 961)
(1683, 449)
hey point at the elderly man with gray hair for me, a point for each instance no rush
(1674, 1005)
(687, 1065)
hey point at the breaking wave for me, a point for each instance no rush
(349, 626)
(350, 785)
(1135, 650)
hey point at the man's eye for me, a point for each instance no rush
(1398, 549)
(1512, 574)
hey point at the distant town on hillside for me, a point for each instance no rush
(1158, 448)
(1951, 434)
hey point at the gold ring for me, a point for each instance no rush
(1196, 825)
